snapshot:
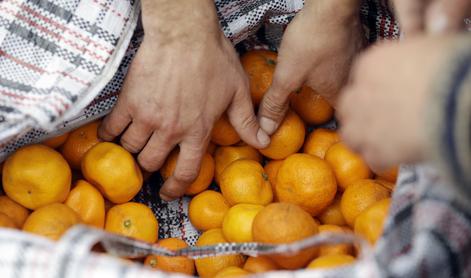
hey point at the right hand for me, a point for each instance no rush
(393, 106)
(431, 16)
(317, 50)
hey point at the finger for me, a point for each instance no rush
(447, 15)
(375, 160)
(286, 80)
(186, 171)
(411, 15)
(344, 104)
(242, 118)
(115, 122)
(153, 156)
(348, 112)
(351, 136)
(136, 136)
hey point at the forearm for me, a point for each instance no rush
(167, 21)
(449, 115)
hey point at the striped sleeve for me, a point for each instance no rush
(449, 117)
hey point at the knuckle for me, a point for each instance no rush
(148, 163)
(248, 122)
(274, 106)
(169, 135)
(170, 128)
(200, 132)
(130, 144)
(186, 175)
(108, 128)
(147, 120)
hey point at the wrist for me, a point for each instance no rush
(334, 10)
(167, 21)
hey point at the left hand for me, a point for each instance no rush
(431, 16)
(317, 50)
(382, 110)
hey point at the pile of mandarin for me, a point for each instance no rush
(300, 185)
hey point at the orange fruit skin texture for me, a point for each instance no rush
(245, 181)
(319, 141)
(307, 181)
(359, 196)
(260, 66)
(51, 221)
(347, 165)
(36, 175)
(231, 272)
(113, 170)
(182, 265)
(389, 175)
(88, 203)
(223, 132)
(285, 223)
(369, 224)
(7, 222)
(334, 248)
(133, 220)
(272, 168)
(13, 210)
(288, 139)
(311, 106)
(201, 182)
(208, 267)
(224, 156)
(331, 261)
(237, 223)
(207, 209)
(57, 141)
(260, 264)
(79, 142)
(333, 214)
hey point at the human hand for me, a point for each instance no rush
(382, 110)
(432, 16)
(317, 50)
(182, 79)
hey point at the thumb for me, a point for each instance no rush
(242, 117)
(275, 102)
(447, 15)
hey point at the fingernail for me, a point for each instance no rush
(268, 125)
(165, 198)
(263, 138)
(438, 24)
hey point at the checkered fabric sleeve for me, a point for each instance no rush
(56, 56)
